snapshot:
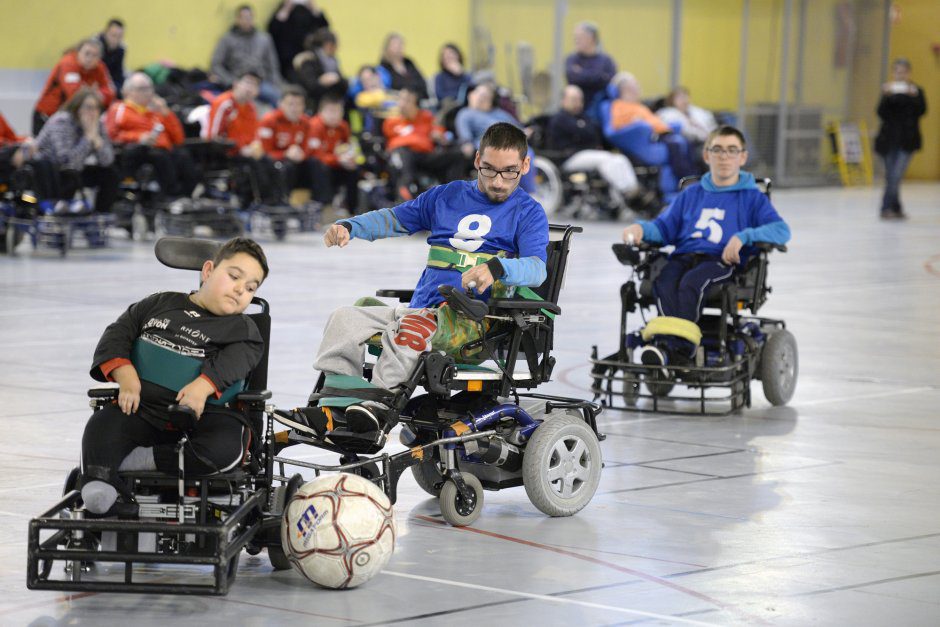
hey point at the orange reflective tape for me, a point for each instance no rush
(474, 386)
(459, 428)
(418, 452)
(329, 418)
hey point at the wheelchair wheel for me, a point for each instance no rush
(659, 385)
(458, 511)
(561, 465)
(779, 367)
(548, 190)
(276, 555)
(428, 477)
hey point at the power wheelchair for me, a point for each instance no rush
(735, 348)
(472, 429)
(182, 520)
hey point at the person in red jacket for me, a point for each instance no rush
(416, 142)
(14, 149)
(283, 135)
(149, 132)
(233, 117)
(330, 144)
(77, 68)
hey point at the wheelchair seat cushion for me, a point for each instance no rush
(669, 325)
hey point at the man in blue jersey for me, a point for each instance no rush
(712, 225)
(486, 232)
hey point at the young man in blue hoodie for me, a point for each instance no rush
(712, 225)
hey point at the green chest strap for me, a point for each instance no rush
(173, 371)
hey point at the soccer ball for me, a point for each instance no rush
(338, 530)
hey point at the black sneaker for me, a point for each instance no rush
(367, 416)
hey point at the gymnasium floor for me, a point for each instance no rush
(823, 512)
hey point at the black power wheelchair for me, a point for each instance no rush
(470, 430)
(735, 348)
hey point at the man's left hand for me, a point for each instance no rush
(480, 275)
(731, 255)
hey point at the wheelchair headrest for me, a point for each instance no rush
(185, 253)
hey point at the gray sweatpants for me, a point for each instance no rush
(406, 333)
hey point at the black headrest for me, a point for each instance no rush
(185, 253)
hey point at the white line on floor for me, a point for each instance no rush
(858, 397)
(551, 599)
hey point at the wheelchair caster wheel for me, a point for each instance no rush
(428, 477)
(278, 558)
(456, 509)
(561, 465)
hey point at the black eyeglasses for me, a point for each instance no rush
(733, 151)
(508, 175)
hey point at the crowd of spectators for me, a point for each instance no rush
(292, 119)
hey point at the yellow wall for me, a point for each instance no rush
(911, 37)
(185, 31)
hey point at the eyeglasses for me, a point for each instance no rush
(508, 175)
(733, 151)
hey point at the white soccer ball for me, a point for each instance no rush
(338, 530)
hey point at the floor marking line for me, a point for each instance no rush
(858, 397)
(865, 584)
(551, 599)
(623, 569)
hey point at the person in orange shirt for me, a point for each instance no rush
(150, 133)
(233, 117)
(77, 68)
(414, 141)
(628, 108)
(329, 143)
(283, 135)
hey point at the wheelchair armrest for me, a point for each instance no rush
(630, 254)
(768, 246)
(501, 305)
(104, 392)
(403, 296)
(253, 396)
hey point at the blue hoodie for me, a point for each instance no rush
(704, 217)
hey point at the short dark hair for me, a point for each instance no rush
(292, 90)
(410, 89)
(505, 136)
(322, 36)
(114, 22)
(73, 104)
(91, 41)
(244, 7)
(252, 73)
(242, 245)
(330, 99)
(726, 131)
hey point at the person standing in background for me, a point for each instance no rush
(289, 27)
(112, 44)
(900, 108)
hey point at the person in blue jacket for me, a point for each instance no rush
(712, 225)
(488, 234)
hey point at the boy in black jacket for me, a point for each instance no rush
(177, 348)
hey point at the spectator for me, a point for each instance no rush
(628, 108)
(450, 84)
(416, 142)
(901, 105)
(76, 69)
(284, 138)
(330, 143)
(587, 67)
(694, 123)
(14, 149)
(400, 71)
(479, 114)
(233, 117)
(74, 140)
(569, 131)
(289, 27)
(317, 68)
(112, 45)
(245, 49)
(372, 98)
(151, 133)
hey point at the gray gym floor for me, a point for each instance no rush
(826, 511)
